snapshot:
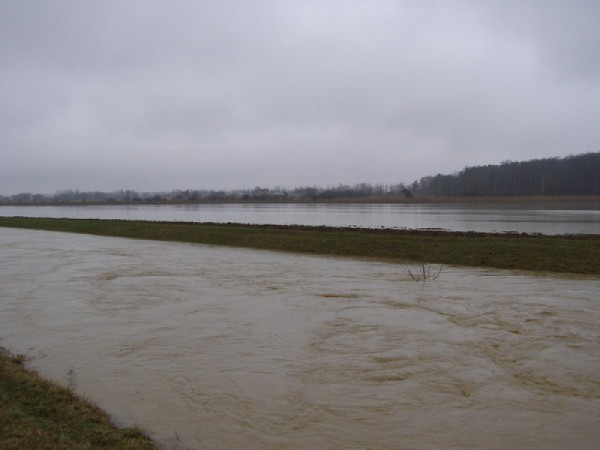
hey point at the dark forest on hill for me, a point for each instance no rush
(572, 175)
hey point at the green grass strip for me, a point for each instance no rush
(35, 413)
(576, 254)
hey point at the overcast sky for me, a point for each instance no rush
(158, 95)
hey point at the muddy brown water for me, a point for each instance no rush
(212, 347)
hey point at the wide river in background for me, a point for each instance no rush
(545, 218)
(222, 348)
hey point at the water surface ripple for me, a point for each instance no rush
(212, 347)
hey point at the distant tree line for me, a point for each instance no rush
(194, 196)
(572, 175)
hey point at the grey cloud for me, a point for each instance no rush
(162, 95)
(564, 35)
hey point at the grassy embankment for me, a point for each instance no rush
(577, 254)
(35, 413)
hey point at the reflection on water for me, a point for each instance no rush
(554, 218)
(211, 347)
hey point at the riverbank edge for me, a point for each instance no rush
(566, 254)
(38, 413)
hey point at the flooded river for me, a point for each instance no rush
(212, 347)
(545, 218)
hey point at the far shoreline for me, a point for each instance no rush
(375, 200)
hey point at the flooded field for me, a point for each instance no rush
(212, 347)
(544, 218)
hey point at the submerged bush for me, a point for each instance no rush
(425, 272)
